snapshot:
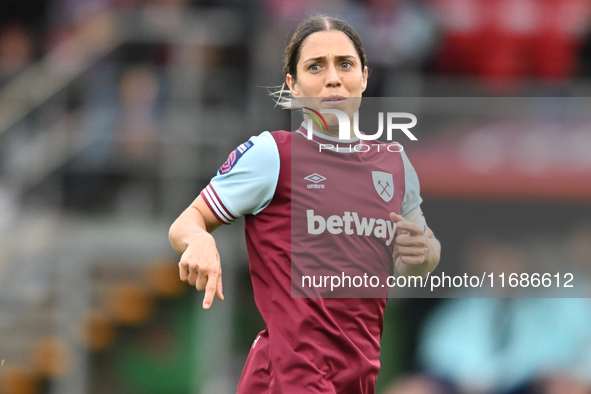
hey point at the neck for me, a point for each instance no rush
(333, 131)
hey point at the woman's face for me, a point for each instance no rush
(329, 74)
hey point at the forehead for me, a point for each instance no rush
(326, 43)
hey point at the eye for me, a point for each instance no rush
(314, 67)
(346, 65)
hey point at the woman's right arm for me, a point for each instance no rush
(245, 184)
(190, 237)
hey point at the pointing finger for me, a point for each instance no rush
(396, 218)
(210, 291)
(218, 292)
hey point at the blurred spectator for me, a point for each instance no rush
(139, 111)
(16, 50)
(71, 12)
(397, 32)
(65, 16)
(399, 36)
(508, 345)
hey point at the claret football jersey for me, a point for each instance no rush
(314, 211)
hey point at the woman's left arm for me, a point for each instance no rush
(417, 252)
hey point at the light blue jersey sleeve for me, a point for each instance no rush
(246, 182)
(412, 196)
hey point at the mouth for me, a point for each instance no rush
(334, 100)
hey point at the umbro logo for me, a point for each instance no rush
(316, 179)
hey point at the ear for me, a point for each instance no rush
(291, 82)
(365, 76)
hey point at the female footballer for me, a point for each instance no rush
(316, 342)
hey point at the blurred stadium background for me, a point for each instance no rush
(114, 114)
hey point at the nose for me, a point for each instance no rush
(333, 78)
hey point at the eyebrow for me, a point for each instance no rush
(343, 57)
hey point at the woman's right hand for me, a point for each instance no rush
(200, 267)
(200, 262)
